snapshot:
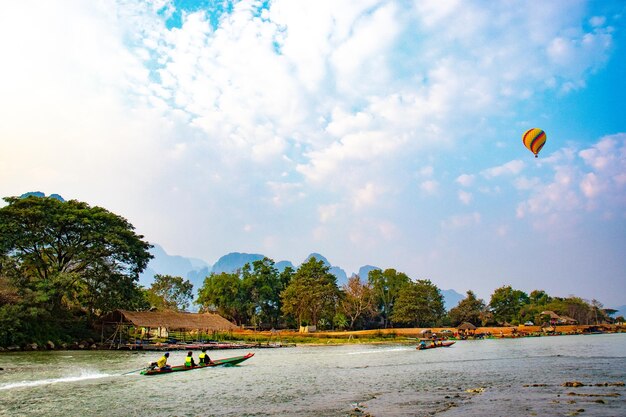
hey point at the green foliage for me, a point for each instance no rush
(506, 304)
(69, 252)
(470, 309)
(224, 293)
(262, 286)
(66, 263)
(419, 304)
(311, 293)
(386, 286)
(170, 293)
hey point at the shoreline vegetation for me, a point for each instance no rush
(251, 339)
(69, 279)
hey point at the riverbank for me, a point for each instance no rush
(251, 339)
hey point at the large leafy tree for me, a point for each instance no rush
(419, 304)
(506, 304)
(170, 293)
(223, 293)
(262, 286)
(71, 254)
(471, 309)
(357, 300)
(311, 292)
(386, 286)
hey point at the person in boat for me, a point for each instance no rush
(422, 345)
(161, 363)
(189, 362)
(204, 358)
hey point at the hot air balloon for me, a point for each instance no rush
(534, 139)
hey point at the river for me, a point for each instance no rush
(512, 377)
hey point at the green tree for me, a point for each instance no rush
(223, 293)
(170, 293)
(574, 307)
(506, 304)
(312, 292)
(470, 309)
(386, 286)
(71, 254)
(262, 286)
(357, 300)
(419, 304)
(59, 260)
(539, 298)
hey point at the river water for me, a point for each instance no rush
(512, 377)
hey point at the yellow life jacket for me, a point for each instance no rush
(188, 360)
(161, 362)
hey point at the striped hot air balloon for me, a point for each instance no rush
(534, 139)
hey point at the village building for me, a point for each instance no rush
(128, 328)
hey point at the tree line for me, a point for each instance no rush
(65, 264)
(259, 295)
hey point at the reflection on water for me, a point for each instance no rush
(520, 377)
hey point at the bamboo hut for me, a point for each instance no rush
(144, 325)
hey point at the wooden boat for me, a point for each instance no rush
(181, 368)
(433, 344)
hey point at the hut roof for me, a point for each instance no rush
(466, 326)
(173, 320)
(552, 314)
(567, 319)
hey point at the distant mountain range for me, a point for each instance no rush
(196, 270)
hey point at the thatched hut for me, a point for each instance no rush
(553, 317)
(466, 325)
(147, 324)
(466, 329)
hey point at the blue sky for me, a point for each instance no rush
(374, 132)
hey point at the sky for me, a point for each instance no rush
(382, 133)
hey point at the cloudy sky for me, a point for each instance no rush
(374, 132)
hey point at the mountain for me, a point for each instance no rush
(365, 270)
(340, 274)
(234, 261)
(40, 194)
(282, 265)
(451, 298)
(178, 266)
(196, 270)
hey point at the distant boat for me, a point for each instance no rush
(433, 344)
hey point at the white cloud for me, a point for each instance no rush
(465, 180)
(367, 195)
(461, 221)
(327, 212)
(465, 197)
(598, 185)
(429, 186)
(280, 123)
(510, 168)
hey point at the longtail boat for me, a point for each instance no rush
(431, 345)
(181, 368)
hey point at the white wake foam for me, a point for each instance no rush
(83, 376)
(378, 351)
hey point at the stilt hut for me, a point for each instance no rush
(135, 328)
